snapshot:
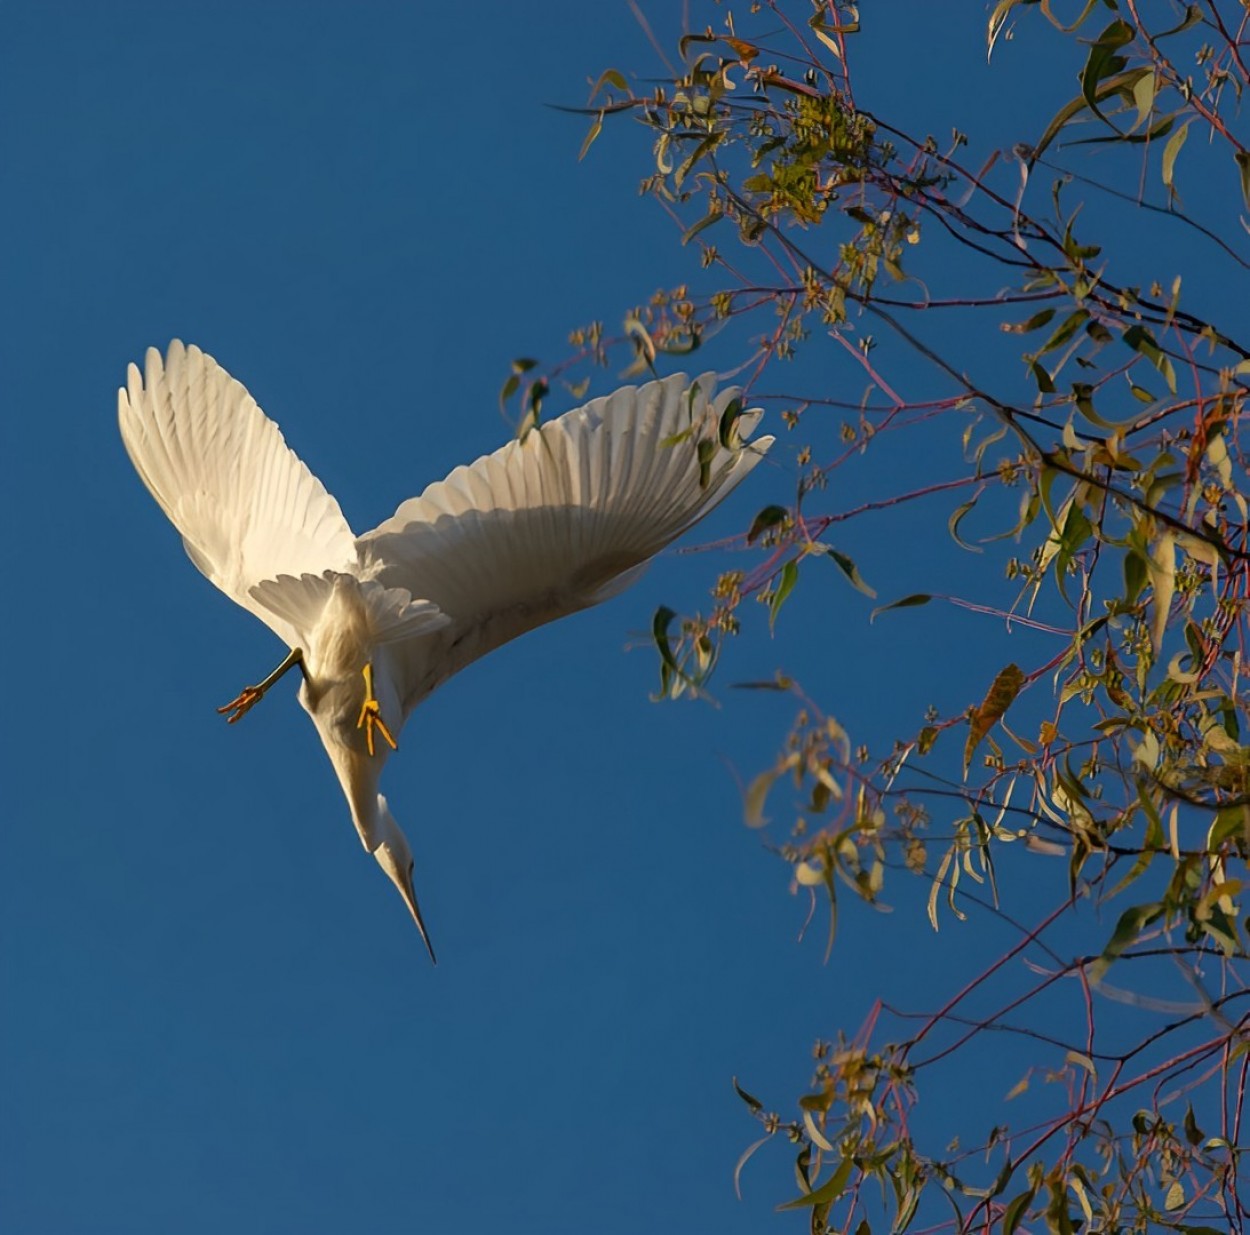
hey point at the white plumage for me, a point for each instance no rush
(561, 520)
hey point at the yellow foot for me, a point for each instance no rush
(240, 706)
(371, 714)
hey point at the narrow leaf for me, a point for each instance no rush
(827, 1193)
(851, 571)
(917, 598)
(785, 585)
(1171, 150)
(1127, 930)
(1243, 166)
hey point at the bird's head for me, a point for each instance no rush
(395, 858)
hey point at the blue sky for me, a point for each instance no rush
(217, 1015)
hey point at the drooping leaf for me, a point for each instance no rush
(596, 127)
(1163, 575)
(728, 419)
(753, 1102)
(827, 1193)
(1065, 330)
(1142, 341)
(1045, 384)
(1243, 167)
(1171, 150)
(1015, 1211)
(952, 525)
(1127, 930)
(756, 796)
(1000, 696)
(851, 571)
(785, 585)
(770, 516)
(706, 453)
(670, 670)
(1118, 83)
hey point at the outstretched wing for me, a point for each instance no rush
(558, 521)
(246, 507)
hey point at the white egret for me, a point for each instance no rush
(553, 523)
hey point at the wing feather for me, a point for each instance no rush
(557, 522)
(247, 508)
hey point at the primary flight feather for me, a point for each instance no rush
(547, 525)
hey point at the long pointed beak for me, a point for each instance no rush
(400, 874)
(410, 899)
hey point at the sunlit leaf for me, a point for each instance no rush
(596, 127)
(1000, 696)
(756, 796)
(1163, 576)
(1171, 150)
(783, 588)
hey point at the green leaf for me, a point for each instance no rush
(1193, 15)
(1171, 150)
(1119, 83)
(770, 516)
(1000, 696)
(713, 216)
(851, 571)
(1193, 1134)
(1144, 97)
(952, 525)
(670, 670)
(754, 1103)
(1036, 322)
(1076, 531)
(1015, 1211)
(706, 453)
(609, 77)
(1127, 930)
(827, 1193)
(1243, 166)
(916, 598)
(1143, 342)
(596, 127)
(756, 795)
(1103, 60)
(728, 418)
(705, 147)
(1065, 330)
(785, 585)
(1044, 383)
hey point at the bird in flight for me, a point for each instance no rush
(551, 523)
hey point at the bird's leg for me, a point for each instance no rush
(250, 696)
(371, 713)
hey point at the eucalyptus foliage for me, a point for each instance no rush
(1105, 485)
